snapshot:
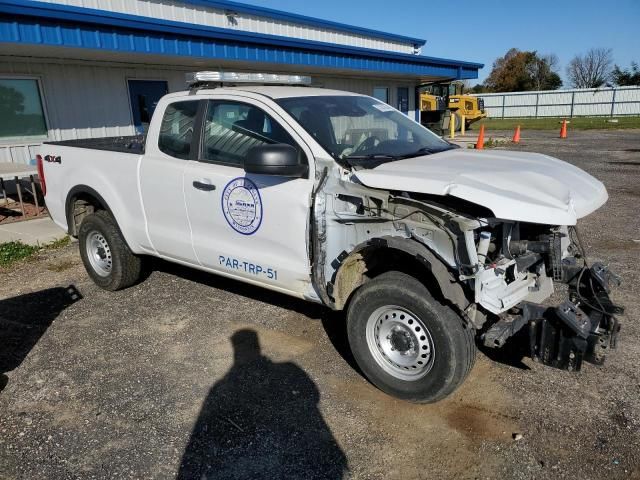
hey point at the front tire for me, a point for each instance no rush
(105, 254)
(406, 342)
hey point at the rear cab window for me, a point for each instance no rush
(177, 127)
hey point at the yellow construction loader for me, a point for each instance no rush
(438, 101)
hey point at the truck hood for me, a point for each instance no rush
(521, 186)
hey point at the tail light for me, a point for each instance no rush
(43, 183)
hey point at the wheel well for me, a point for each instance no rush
(79, 205)
(373, 261)
(391, 259)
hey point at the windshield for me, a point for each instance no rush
(360, 130)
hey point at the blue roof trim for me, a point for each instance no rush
(85, 28)
(89, 15)
(303, 19)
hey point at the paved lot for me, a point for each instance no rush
(195, 376)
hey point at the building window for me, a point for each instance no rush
(21, 112)
(381, 93)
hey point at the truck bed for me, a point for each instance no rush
(133, 144)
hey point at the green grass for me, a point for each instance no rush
(61, 242)
(12, 252)
(581, 123)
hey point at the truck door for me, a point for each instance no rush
(246, 225)
(161, 180)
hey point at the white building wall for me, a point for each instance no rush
(91, 99)
(212, 17)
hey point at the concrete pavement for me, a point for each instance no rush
(38, 231)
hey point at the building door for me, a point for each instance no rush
(403, 100)
(145, 95)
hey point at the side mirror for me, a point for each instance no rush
(276, 159)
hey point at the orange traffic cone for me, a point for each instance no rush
(563, 129)
(516, 135)
(480, 141)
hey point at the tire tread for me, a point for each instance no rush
(127, 267)
(461, 338)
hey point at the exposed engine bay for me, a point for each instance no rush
(497, 273)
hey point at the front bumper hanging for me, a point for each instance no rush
(583, 328)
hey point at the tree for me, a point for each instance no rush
(520, 71)
(591, 70)
(626, 77)
(11, 101)
(478, 88)
(541, 69)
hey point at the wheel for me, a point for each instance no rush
(406, 342)
(105, 254)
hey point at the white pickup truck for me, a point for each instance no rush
(338, 198)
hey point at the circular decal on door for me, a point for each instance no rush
(242, 205)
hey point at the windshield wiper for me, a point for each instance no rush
(371, 160)
(428, 151)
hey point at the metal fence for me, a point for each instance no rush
(584, 102)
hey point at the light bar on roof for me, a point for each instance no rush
(239, 77)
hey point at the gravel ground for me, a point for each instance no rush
(195, 376)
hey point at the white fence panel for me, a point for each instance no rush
(520, 100)
(554, 111)
(628, 95)
(493, 102)
(520, 111)
(564, 103)
(627, 108)
(555, 98)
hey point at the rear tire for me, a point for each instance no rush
(406, 342)
(105, 254)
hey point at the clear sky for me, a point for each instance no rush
(482, 30)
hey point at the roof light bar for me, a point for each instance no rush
(195, 78)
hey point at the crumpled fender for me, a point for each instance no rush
(350, 274)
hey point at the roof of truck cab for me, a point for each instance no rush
(272, 91)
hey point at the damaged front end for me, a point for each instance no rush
(499, 275)
(510, 271)
(584, 326)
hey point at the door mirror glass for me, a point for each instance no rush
(275, 159)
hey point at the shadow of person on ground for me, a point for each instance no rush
(261, 294)
(24, 319)
(261, 421)
(334, 323)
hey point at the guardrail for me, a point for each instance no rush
(585, 102)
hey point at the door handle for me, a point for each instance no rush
(207, 187)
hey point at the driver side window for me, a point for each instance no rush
(232, 128)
